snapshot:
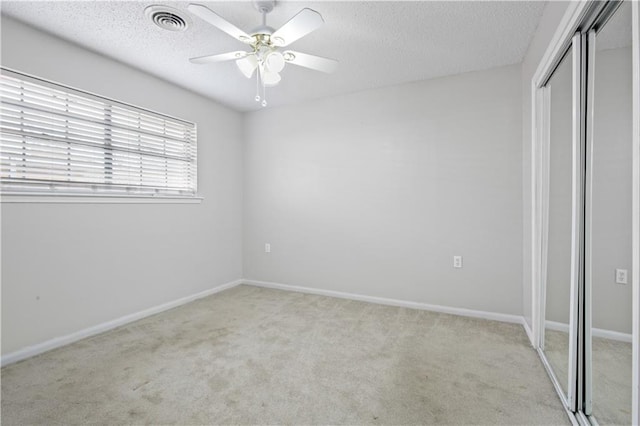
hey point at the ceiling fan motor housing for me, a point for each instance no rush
(262, 30)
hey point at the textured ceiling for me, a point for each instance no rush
(378, 43)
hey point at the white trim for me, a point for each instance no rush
(612, 335)
(538, 97)
(494, 316)
(57, 342)
(557, 326)
(535, 256)
(595, 332)
(528, 330)
(588, 228)
(533, 272)
(577, 219)
(556, 385)
(97, 199)
(635, 214)
(544, 176)
(576, 10)
(583, 420)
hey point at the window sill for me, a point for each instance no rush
(95, 199)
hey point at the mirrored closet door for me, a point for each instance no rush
(584, 125)
(557, 339)
(608, 237)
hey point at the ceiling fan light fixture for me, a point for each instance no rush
(270, 79)
(274, 62)
(265, 61)
(247, 65)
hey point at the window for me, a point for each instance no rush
(59, 140)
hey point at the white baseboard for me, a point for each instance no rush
(595, 332)
(391, 302)
(556, 326)
(57, 342)
(612, 335)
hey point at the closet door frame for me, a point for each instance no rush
(578, 18)
(576, 56)
(635, 226)
(588, 271)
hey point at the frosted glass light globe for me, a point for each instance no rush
(274, 62)
(247, 65)
(270, 79)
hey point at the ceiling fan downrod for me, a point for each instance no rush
(264, 7)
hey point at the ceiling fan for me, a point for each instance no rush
(266, 58)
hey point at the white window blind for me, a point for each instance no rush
(59, 140)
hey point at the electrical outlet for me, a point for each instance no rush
(621, 276)
(267, 248)
(457, 261)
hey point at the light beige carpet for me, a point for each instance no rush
(257, 356)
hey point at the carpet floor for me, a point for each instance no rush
(251, 355)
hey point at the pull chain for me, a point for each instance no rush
(259, 78)
(258, 85)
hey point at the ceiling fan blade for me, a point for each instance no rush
(210, 59)
(219, 22)
(313, 62)
(300, 25)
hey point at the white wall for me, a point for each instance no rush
(66, 267)
(374, 192)
(547, 26)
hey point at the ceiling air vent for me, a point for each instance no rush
(167, 18)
